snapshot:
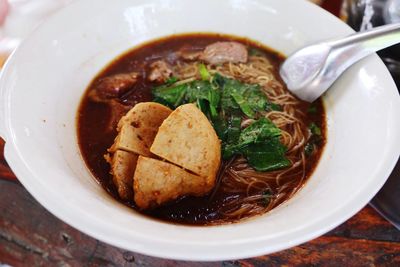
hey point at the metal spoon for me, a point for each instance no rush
(310, 71)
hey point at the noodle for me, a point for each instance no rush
(260, 191)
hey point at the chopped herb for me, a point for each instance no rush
(309, 149)
(314, 141)
(172, 80)
(315, 129)
(312, 109)
(205, 75)
(273, 107)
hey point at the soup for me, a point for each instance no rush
(258, 142)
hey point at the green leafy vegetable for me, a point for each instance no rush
(202, 105)
(172, 80)
(213, 98)
(172, 96)
(255, 97)
(273, 107)
(315, 139)
(233, 130)
(225, 102)
(236, 95)
(267, 156)
(205, 75)
(191, 92)
(196, 90)
(221, 127)
(259, 131)
(243, 104)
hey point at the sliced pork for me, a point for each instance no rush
(160, 71)
(113, 86)
(225, 52)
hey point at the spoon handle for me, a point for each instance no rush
(374, 40)
(365, 43)
(310, 71)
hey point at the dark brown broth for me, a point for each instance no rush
(94, 139)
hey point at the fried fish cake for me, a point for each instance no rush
(186, 138)
(137, 129)
(157, 182)
(123, 165)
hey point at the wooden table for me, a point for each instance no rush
(31, 236)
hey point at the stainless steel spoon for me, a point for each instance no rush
(310, 71)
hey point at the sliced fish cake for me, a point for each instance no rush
(186, 138)
(137, 129)
(136, 132)
(157, 182)
(123, 165)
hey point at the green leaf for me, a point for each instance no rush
(255, 97)
(259, 131)
(205, 75)
(233, 132)
(315, 129)
(236, 95)
(172, 80)
(204, 90)
(272, 107)
(163, 102)
(221, 127)
(243, 104)
(228, 104)
(213, 99)
(173, 95)
(197, 90)
(202, 105)
(267, 156)
(225, 102)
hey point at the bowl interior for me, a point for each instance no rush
(44, 80)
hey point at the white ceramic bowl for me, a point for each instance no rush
(43, 82)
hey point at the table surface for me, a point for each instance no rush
(31, 236)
